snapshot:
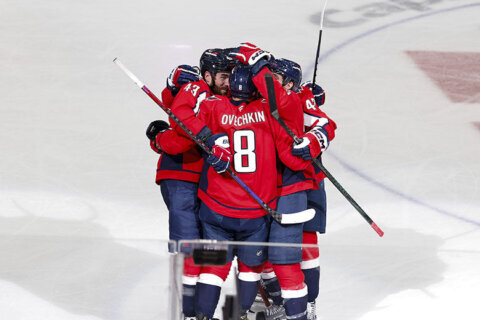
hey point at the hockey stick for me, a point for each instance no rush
(260, 315)
(263, 294)
(274, 112)
(318, 45)
(291, 218)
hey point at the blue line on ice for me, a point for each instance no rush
(346, 43)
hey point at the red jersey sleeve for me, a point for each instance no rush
(167, 98)
(186, 105)
(313, 116)
(175, 164)
(173, 143)
(154, 146)
(289, 104)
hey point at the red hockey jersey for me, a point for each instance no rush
(176, 161)
(255, 140)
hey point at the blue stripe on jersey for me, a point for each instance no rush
(173, 163)
(290, 177)
(203, 183)
(316, 168)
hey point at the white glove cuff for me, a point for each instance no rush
(222, 142)
(321, 138)
(305, 142)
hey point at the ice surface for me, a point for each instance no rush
(83, 226)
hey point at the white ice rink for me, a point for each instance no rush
(82, 223)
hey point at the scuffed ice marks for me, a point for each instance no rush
(358, 15)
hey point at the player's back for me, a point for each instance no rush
(254, 157)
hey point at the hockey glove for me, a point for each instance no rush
(155, 128)
(311, 145)
(317, 91)
(181, 75)
(250, 54)
(220, 157)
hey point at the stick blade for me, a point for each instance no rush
(298, 217)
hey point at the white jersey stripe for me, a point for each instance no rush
(309, 120)
(249, 276)
(310, 264)
(288, 294)
(210, 279)
(191, 281)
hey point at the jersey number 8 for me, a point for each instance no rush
(244, 159)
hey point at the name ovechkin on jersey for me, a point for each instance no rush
(247, 118)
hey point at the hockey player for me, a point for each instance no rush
(293, 187)
(293, 196)
(286, 261)
(178, 173)
(227, 212)
(314, 117)
(289, 74)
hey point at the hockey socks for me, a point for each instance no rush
(312, 279)
(296, 308)
(209, 285)
(188, 300)
(189, 281)
(271, 284)
(311, 265)
(207, 299)
(248, 278)
(294, 290)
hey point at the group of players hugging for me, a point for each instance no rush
(225, 104)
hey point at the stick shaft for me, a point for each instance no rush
(319, 44)
(316, 58)
(274, 110)
(263, 294)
